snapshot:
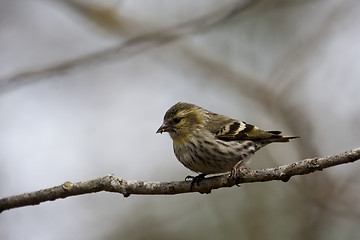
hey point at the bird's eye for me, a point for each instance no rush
(177, 119)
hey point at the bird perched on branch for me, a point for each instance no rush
(208, 143)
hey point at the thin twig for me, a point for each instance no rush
(111, 183)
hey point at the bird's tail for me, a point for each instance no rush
(277, 137)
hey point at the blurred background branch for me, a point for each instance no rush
(105, 17)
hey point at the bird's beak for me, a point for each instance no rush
(164, 128)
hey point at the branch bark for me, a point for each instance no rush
(111, 183)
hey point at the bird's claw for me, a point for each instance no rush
(232, 174)
(236, 172)
(195, 179)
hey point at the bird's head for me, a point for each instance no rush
(182, 120)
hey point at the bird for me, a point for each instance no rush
(209, 143)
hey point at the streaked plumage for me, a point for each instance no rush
(208, 143)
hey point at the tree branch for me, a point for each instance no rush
(111, 183)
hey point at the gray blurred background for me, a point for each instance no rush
(84, 86)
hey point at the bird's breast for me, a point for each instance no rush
(211, 156)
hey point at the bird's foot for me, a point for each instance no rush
(236, 171)
(195, 179)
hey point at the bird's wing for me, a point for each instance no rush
(239, 130)
(228, 129)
